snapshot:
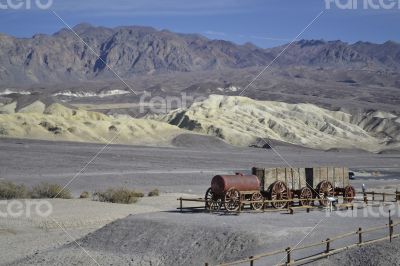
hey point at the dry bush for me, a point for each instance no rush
(120, 195)
(9, 190)
(154, 193)
(3, 131)
(85, 195)
(47, 190)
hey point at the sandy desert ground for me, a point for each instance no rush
(151, 232)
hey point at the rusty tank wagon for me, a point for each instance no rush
(229, 190)
(279, 186)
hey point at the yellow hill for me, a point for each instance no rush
(242, 121)
(58, 122)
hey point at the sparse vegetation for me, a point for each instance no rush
(154, 193)
(120, 195)
(3, 131)
(9, 190)
(85, 195)
(47, 190)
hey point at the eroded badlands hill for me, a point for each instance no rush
(57, 122)
(239, 121)
(243, 121)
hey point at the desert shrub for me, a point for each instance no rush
(47, 190)
(9, 190)
(154, 193)
(3, 131)
(120, 195)
(84, 195)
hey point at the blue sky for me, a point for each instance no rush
(265, 23)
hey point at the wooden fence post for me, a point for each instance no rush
(180, 205)
(360, 235)
(240, 204)
(288, 259)
(263, 206)
(328, 245)
(390, 227)
(365, 198)
(373, 195)
(251, 261)
(206, 264)
(383, 196)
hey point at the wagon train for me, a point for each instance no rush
(279, 186)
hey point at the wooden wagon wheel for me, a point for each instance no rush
(278, 191)
(324, 189)
(305, 196)
(232, 200)
(256, 197)
(213, 203)
(349, 194)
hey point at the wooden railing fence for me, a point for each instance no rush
(327, 246)
(364, 197)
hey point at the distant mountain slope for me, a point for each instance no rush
(138, 50)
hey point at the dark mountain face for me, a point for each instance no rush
(130, 51)
(335, 54)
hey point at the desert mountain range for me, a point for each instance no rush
(135, 50)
